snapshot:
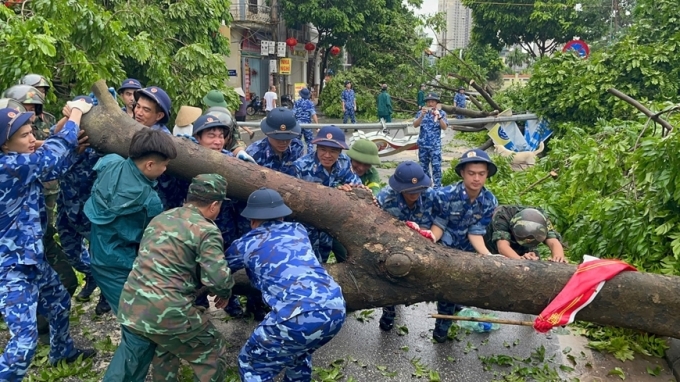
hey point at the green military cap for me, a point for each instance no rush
(209, 187)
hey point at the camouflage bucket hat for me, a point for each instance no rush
(529, 226)
(212, 187)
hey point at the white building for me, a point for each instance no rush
(458, 25)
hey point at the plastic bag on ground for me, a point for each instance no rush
(479, 327)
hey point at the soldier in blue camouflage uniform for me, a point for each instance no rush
(431, 122)
(330, 167)
(305, 113)
(123, 201)
(28, 285)
(349, 103)
(181, 249)
(281, 147)
(408, 198)
(462, 212)
(308, 309)
(126, 91)
(72, 224)
(459, 101)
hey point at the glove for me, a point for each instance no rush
(243, 155)
(80, 105)
(426, 233)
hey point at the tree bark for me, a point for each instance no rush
(388, 264)
(450, 109)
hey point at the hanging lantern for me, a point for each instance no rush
(291, 42)
(335, 51)
(310, 46)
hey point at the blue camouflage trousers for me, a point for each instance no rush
(431, 155)
(288, 345)
(322, 243)
(309, 137)
(26, 290)
(445, 308)
(72, 237)
(349, 114)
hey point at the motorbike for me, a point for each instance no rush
(255, 105)
(287, 101)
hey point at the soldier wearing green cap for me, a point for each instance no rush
(364, 155)
(180, 247)
(516, 231)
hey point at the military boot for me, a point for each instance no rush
(387, 318)
(88, 289)
(234, 308)
(102, 307)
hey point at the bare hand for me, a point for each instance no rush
(66, 111)
(82, 142)
(221, 303)
(558, 259)
(345, 187)
(375, 202)
(529, 256)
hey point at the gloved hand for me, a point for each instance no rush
(243, 155)
(80, 104)
(426, 233)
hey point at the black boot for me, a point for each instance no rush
(102, 307)
(88, 289)
(234, 308)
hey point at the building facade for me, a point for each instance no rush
(249, 68)
(456, 34)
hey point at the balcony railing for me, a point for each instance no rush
(251, 12)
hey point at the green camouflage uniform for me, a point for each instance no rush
(53, 252)
(179, 248)
(235, 140)
(371, 179)
(501, 229)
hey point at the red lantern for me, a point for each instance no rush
(310, 46)
(335, 51)
(291, 42)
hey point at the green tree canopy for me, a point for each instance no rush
(76, 43)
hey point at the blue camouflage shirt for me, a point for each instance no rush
(430, 131)
(309, 168)
(23, 217)
(265, 156)
(75, 187)
(394, 203)
(348, 98)
(279, 261)
(459, 100)
(304, 110)
(457, 217)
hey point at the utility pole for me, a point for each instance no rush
(275, 35)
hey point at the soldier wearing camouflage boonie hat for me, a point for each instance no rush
(209, 187)
(516, 231)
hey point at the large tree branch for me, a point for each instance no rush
(388, 264)
(667, 126)
(479, 89)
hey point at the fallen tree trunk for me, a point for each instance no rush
(450, 109)
(388, 264)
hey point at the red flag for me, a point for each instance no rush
(580, 291)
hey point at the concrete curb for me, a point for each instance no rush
(673, 357)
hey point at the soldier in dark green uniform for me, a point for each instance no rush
(516, 231)
(31, 99)
(364, 155)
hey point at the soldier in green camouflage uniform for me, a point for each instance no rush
(516, 231)
(31, 99)
(179, 247)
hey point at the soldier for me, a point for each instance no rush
(308, 309)
(37, 81)
(421, 96)
(126, 91)
(305, 113)
(71, 222)
(27, 283)
(384, 102)
(179, 249)
(331, 168)
(516, 231)
(281, 147)
(462, 212)
(32, 99)
(364, 155)
(233, 141)
(460, 101)
(122, 203)
(349, 103)
(408, 198)
(431, 121)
